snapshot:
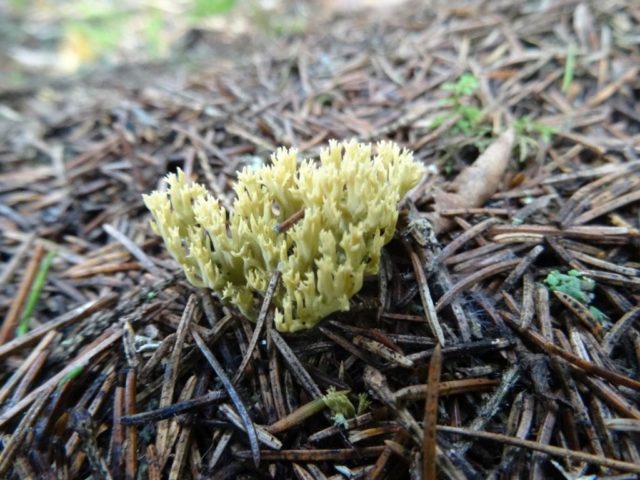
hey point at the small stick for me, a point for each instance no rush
(221, 445)
(608, 395)
(378, 469)
(464, 212)
(298, 416)
(275, 376)
(331, 454)
(262, 318)
(289, 222)
(607, 207)
(171, 374)
(548, 449)
(580, 312)
(384, 276)
(176, 429)
(182, 446)
(154, 471)
(29, 377)
(600, 233)
(519, 270)
(134, 249)
(492, 405)
(590, 367)
(461, 239)
(429, 443)
(475, 277)
(359, 421)
(117, 432)
(395, 358)
(101, 269)
(346, 344)
(264, 436)
(173, 410)
(466, 348)
(452, 387)
(613, 267)
(425, 295)
(233, 395)
(298, 371)
(131, 453)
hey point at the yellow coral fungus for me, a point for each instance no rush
(349, 204)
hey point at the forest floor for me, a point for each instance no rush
(519, 326)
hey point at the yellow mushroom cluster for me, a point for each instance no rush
(347, 210)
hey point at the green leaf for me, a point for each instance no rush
(528, 133)
(470, 113)
(465, 86)
(207, 8)
(448, 87)
(439, 120)
(154, 34)
(546, 132)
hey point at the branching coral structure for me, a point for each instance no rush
(347, 210)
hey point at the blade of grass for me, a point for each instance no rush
(71, 374)
(34, 294)
(569, 68)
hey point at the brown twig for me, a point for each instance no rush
(548, 449)
(590, 367)
(430, 423)
(290, 222)
(131, 452)
(11, 320)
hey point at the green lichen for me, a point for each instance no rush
(577, 286)
(340, 405)
(572, 283)
(349, 212)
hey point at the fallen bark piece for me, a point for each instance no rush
(475, 184)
